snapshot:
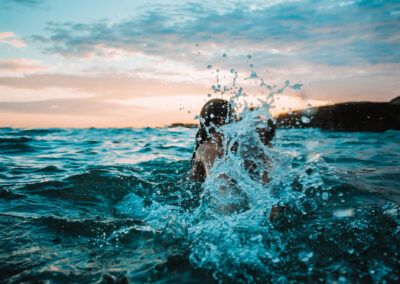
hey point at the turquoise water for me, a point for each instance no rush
(111, 205)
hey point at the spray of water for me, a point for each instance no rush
(243, 227)
(230, 230)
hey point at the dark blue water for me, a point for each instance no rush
(114, 205)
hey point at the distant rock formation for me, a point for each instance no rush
(351, 116)
(395, 101)
(186, 125)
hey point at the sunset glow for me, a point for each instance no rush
(137, 63)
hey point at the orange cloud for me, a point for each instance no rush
(104, 86)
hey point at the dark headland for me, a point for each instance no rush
(350, 116)
(185, 125)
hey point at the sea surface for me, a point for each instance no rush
(117, 206)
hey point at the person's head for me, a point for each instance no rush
(214, 114)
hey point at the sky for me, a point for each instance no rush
(107, 63)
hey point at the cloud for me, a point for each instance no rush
(29, 3)
(337, 51)
(81, 106)
(103, 86)
(83, 112)
(21, 65)
(90, 112)
(328, 32)
(11, 39)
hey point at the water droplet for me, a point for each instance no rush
(209, 66)
(232, 70)
(251, 65)
(276, 260)
(350, 250)
(253, 75)
(296, 87)
(325, 196)
(343, 213)
(305, 119)
(305, 256)
(249, 56)
(208, 95)
(224, 55)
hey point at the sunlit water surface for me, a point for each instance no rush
(110, 205)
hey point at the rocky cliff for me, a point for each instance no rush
(350, 116)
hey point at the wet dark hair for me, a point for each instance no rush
(214, 113)
(268, 135)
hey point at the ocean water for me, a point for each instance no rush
(116, 206)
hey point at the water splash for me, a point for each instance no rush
(232, 231)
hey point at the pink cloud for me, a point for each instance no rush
(105, 86)
(21, 65)
(11, 39)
